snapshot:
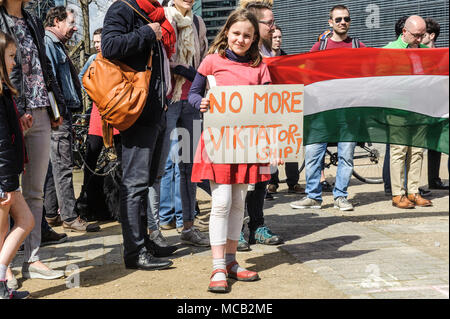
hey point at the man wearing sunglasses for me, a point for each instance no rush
(340, 22)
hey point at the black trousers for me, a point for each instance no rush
(255, 204)
(292, 175)
(141, 153)
(94, 148)
(434, 163)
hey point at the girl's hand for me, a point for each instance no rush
(8, 200)
(276, 161)
(204, 105)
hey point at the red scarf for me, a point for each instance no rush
(155, 12)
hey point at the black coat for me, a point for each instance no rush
(11, 144)
(128, 38)
(37, 31)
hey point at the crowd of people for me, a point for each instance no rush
(158, 187)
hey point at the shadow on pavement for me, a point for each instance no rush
(322, 249)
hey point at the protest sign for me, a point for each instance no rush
(254, 124)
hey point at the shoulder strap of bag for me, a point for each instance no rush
(142, 16)
(197, 24)
(149, 63)
(323, 44)
(355, 43)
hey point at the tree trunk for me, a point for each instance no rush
(84, 5)
(86, 51)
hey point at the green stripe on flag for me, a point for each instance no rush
(377, 125)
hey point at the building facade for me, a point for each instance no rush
(215, 14)
(303, 20)
(373, 22)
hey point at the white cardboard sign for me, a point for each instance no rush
(254, 124)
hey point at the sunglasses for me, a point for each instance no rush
(346, 19)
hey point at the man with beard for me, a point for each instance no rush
(340, 23)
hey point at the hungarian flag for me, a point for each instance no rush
(395, 96)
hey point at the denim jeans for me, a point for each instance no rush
(180, 116)
(141, 149)
(188, 190)
(170, 199)
(154, 194)
(314, 154)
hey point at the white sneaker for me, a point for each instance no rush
(306, 203)
(343, 204)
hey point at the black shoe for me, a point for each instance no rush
(269, 196)
(326, 187)
(424, 192)
(146, 261)
(159, 251)
(438, 185)
(51, 237)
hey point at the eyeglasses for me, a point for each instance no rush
(339, 19)
(270, 23)
(417, 35)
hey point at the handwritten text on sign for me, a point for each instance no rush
(254, 124)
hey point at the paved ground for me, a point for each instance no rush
(376, 251)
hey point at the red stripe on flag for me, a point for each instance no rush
(307, 68)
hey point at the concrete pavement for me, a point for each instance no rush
(376, 251)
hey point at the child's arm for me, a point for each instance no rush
(197, 91)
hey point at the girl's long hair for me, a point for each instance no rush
(5, 40)
(220, 43)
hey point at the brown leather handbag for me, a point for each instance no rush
(119, 91)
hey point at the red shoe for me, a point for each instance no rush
(220, 286)
(245, 275)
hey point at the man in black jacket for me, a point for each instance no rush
(129, 37)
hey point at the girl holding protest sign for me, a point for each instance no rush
(233, 59)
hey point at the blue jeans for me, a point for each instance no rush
(170, 198)
(314, 154)
(179, 115)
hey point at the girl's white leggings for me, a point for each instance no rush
(227, 212)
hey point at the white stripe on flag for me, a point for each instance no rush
(424, 94)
